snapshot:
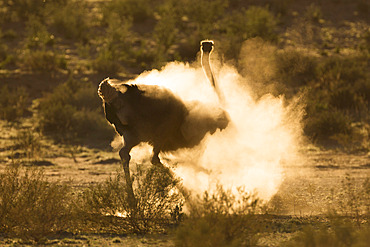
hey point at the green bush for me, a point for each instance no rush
(347, 81)
(31, 207)
(156, 195)
(281, 7)
(327, 125)
(116, 46)
(166, 33)
(338, 94)
(347, 99)
(43, 61)
(73, 111)
(6, 58)
(260, 22)
(3, 53)
(23, 8)
(145, 56)
(365, 44)
(107, 62)
(38, 36)
(353, 198)
(251, 22)
(28, 142)
(342, 232)
(220, 219)
(347, 69)
(56, 117)
(13, 103)
(72, 20)
(38, 53)
(245, 24)
(295, 68)
(138, 10)
(313, 13)
(204, 14)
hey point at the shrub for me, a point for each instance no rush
(252, 22)
(347, 81)
(31, 207)
(156, 196)
(72, 111)
(347, 99)
(91, 123)
(145, 56)
(246, 24)
(43, 61)
(341, 233)
(38, 36)
(72, 20)
(204, 14)
(220, 219)
(56, 117)
(116, 46)
(353, 197)
(338, 100)
(138, 10)
(325, 126)
(107, 62)
(281, 7)
(23, 8)
(365, 43)
(28, 142)
(9, 35)
(6, 58)
(295, 68)
(313, 13)
(260, 22)
(13, 103)
(347, 69)
(166, 33)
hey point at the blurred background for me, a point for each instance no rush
(54, 53)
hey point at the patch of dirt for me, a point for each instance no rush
(310, 186)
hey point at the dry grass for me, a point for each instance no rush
(31, 207)
(222, 218)
(156, 195)
(36, 209)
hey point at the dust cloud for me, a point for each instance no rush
(251, 152)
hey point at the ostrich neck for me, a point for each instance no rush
(205, 59)
(207, 68)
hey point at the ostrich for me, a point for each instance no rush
(153, 114)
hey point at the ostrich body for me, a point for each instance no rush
(153, 114)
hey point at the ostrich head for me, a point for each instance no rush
(206, 46)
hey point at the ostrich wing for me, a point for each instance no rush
(111, 115)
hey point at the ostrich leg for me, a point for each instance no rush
(157, 162)
(155, 159)
(124, 153)
(125, 158)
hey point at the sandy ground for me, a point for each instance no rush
(309, 187)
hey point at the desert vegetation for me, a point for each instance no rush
(53, 54)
